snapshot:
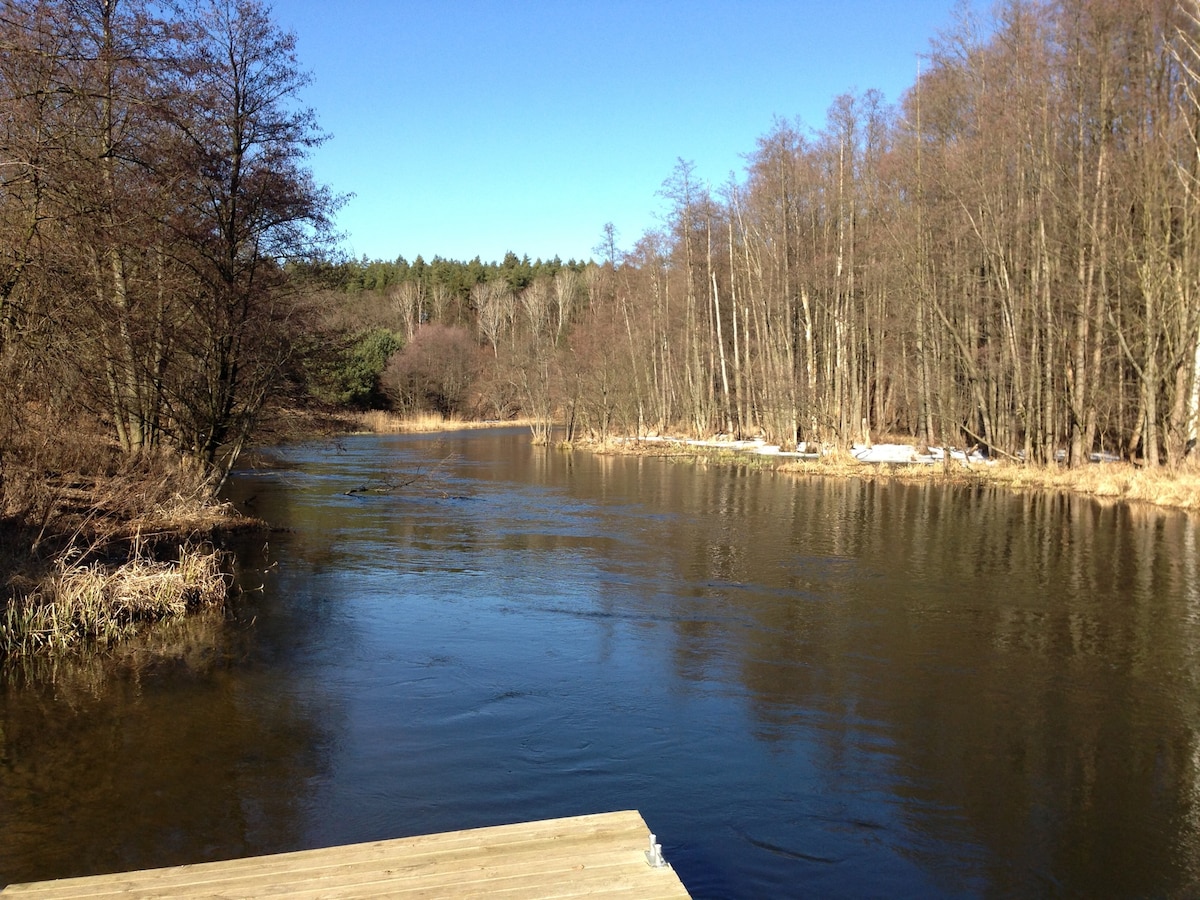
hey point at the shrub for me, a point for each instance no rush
(362, 366)
(435, 371)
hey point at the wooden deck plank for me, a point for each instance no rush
(409, 852)
(472, 868)
(597, 855)
(519, 845)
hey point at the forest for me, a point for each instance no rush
(1006, 258)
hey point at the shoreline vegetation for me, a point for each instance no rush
(1109, 480)
(100, 604)
(1120, 481)
(92, 555)
(377, 421)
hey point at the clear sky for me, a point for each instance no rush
(474, 127)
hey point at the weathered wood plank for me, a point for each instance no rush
(594, 855)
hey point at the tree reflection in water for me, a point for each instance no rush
(158, 755)
(835, 687)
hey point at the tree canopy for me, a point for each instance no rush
(154, 181)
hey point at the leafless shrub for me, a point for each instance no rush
(435, 371)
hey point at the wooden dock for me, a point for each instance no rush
(603, 855)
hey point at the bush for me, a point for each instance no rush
(344, 369)
(436, 371)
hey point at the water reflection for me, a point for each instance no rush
(175, 749)
(1018, 670)
(809, 687)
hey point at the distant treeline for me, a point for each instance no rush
(378, 275)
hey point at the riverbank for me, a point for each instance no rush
(1106, 480)
(1118, 481)
(378, 421)
(93, 555)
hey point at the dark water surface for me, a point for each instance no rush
(810, 688)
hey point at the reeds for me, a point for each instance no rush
(378, 421)
(1177, 488)
(98, 605)
(1173, 488)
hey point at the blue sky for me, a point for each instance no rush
(474, 127)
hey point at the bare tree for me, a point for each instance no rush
(249, 203)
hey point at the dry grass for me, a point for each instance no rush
(98, 605)
(86, 532)
(379, 421)
(83, 532)
(50, 504)
(665, 448)
(1177, 489)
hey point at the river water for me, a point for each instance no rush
(808, 687)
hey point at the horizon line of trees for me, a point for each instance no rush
(354, 275)
(1006, 258)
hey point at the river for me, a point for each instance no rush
(807, 686)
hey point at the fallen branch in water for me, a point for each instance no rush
(420, 474)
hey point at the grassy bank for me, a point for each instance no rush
(379, 421)
(1110, 481)
(99, 604)
(1175, 489)
(92, 553)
